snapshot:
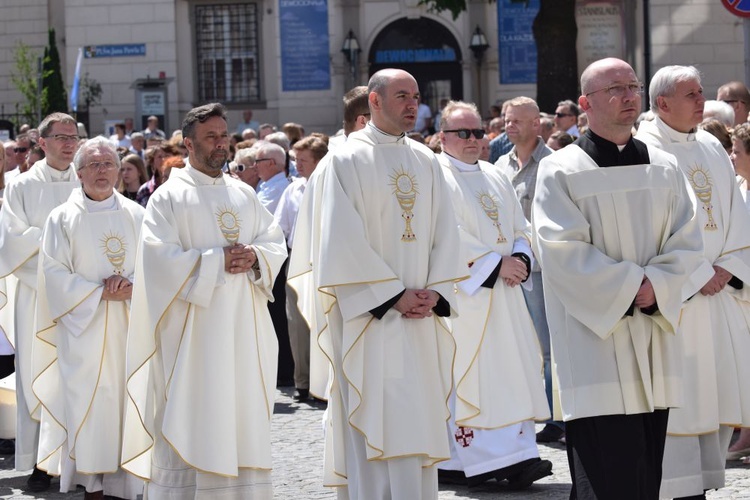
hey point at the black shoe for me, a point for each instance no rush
(550, 434)
(301, 394)
(533, 472)
(38, 480)
(452, 477)
(7, 446)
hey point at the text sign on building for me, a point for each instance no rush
(516, 40)
(738, 7)
(444, 54)
(305, 57)
(128, 50)
(600, 31)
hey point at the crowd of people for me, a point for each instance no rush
(443, 282)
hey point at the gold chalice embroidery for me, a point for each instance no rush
(489, 205)
(701, 182)
(229, 223)
(114, 248)
(405, 189)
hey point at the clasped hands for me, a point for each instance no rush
(117, 288)
(417, 303)
(513, 270)
(239, 258)
(717, 283)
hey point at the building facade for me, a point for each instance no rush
(284, 59)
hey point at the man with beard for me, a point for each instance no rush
(201, 348)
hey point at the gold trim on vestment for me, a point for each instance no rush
(192, 466)
(168, 382)
(34, 254)
(269, 411)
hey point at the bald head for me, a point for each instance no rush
(393, 95)
(736, 95)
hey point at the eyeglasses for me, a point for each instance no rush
(99, 165)
(20, 150)
(620, 89)
(465, 133)
(258, 160)
(64, 138)
(731, 101)
(240, 167)
(563, 115)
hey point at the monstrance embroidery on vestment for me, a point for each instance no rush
(701, 182)
(489, 205)
(229, 223)
(114, 248)
(405, 189)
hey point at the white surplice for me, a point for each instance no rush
(497, 374)
(79, 350)
(201, 346)
(715, 329)
(29, 199)
(387, 224)
(597, 233)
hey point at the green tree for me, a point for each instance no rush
(555, 34)
(54, 96)
(25, 80)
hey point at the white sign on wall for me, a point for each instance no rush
(600, 31)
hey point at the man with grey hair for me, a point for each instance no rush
(387, 261)
(736, 95)
(713, 323)
(87, 258)
(720, 111)
(566, 117)
(615, 230)
(497, 391)
(270, 160)
(522, 124)
(28, 200)
(201, 353)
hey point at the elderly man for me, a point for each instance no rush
(137, 145)
(11, 165)
(736, 95)
(713, 323)
(269, 160)
(386, 268)
(616, 233)
(28, 200)
(245, 168)
(201, 353)
(521, 164)
(566, 117)
(87, 257)
(498, 391)
(152, 130)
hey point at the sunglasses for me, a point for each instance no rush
(465, 133)
(563, 115)
(20, 150)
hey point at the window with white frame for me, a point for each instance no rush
(226, 37)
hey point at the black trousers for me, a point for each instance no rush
(277, 308)
(615, 457)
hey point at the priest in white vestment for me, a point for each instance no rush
(29, 198)
(387, 264)
(615, 229)
(498, 389)
(86, 264)
(306, 233)
(714, 323)
(201, 348)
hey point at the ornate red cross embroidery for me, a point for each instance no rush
(464, 436)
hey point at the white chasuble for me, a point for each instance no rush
(29, 199)
(387, 224)
(598, 232)
(498, 373)
(716, 329)
(202, 351)
(303, 278)
(79, 350)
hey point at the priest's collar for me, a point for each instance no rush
(105, 205)
(201, 178)
(384, 137)
(462, 166)
(60, 175)
(605, 153)
(672, 134)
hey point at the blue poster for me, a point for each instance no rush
(305, 55)
(515, 40)
(126, 50)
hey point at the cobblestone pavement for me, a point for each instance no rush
(298, 456)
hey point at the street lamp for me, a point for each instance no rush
(479, 46)
(351, 51)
